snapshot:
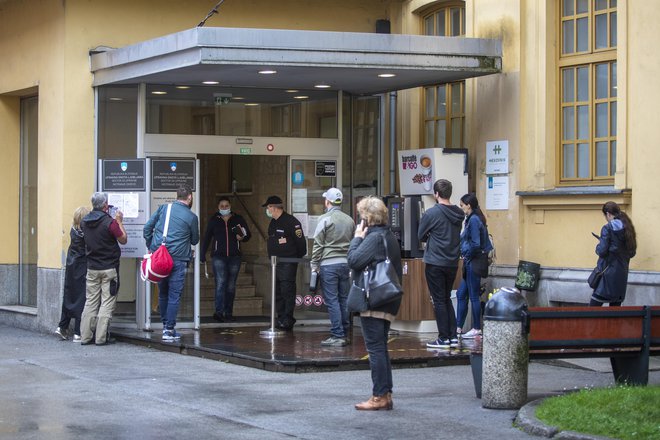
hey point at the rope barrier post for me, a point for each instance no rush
(272, 331)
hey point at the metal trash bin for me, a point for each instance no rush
(505, 351)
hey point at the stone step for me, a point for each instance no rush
(242, 307)
(246, 291)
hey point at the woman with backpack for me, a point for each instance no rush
(474, 244)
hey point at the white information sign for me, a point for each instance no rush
(417, 171)
(299, 200)
(497, 193)
(128, 203)
(303, 218)
(497, 157)
(135, 247)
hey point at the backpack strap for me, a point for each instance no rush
(167, 221)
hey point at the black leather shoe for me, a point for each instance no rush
(218, 318)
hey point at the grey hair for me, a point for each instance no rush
(99, 200)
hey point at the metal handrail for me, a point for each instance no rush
(247, 212)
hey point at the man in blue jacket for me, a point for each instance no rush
(182, 234)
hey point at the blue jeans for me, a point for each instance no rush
(440, 280)
(169, 294)
(375, 333)
(335, 283)
(471, 286)
(226, 272)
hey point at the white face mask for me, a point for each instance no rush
(268, 213)
(224, 211)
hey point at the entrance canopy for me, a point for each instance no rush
(346, 61)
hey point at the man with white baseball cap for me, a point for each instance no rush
(332, 238)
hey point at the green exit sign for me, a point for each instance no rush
(246, 150)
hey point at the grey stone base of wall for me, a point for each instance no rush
(566, 286)
(42, 318)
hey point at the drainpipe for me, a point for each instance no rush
(392, 142)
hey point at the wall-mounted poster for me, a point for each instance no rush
(497, 157)
(416, 171)
(170, 174)
(497, 193)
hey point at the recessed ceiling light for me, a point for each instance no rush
(292, 91)
(159, 92)
(182, 87)
(116, 99)
(386, 75)
(251, 104)
(237, 98)
(210, 83)
(267, 72)
(301, 97)
(322, 86)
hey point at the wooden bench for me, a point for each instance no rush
(627, 335)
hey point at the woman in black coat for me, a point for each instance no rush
(367, 247)
(616, 246)
(75, 274)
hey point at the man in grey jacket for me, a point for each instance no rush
(440, 228)
(182, 233)
(332, 238)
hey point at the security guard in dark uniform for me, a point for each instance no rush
(285, 239)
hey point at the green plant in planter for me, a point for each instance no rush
(525, 280)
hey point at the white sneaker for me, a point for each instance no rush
(76, 338)
(62, 333)
(474, 333)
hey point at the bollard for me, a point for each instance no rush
(505, 351)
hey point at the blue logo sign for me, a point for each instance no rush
(173, 166)
(124, 166)
(298, 178)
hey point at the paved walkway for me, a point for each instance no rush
(52, 389)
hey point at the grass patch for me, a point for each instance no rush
(624, 412)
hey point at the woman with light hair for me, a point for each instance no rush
(73, 300)
(367, 248)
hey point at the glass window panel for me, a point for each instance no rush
(601, 159)
(442, 102)
(455, 22)
(613, 81)
(582, 6)
(455, 98)
(428, 26)
(601, 31)
(569, 161)
(567, 8)
(441, 130)
(582, 34)
(613, 29)
(601, 120)
(440, 26)
(600, 5)
(612, 3)
(613, 118)
(583, 161)
(583, 84)
(568, 37)
(613, 158)
(429, 143)
(568, 85)
(430, 101)
(456, 124)
(601, 81)
(583, 122)
(568, 123)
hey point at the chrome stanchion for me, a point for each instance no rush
(272, 331)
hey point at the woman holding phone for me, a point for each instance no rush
(366, 248)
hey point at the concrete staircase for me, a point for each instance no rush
(246, 303)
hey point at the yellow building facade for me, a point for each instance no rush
(568, 153)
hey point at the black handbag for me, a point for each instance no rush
(479, 264)
(596, 276)
(357, 299)
(382, 282)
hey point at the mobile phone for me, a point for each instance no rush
(598, 237)
(112, 210)
(238, 230)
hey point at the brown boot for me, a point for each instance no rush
(375, 403)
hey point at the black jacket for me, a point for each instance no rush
(286, 237)
(224, 239)
(103, 251)
(612, 253)
(370, 250)
(440, 228)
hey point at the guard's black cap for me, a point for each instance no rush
(273, 200)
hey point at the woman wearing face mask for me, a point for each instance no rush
(226, 230)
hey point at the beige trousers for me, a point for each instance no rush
(99, 306)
